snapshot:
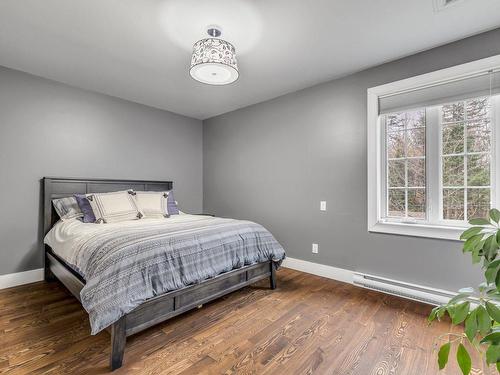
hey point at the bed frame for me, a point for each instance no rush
(153, 310)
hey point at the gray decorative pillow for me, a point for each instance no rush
(67, 208)
(114, 207)
(85, 207)
(172, 208)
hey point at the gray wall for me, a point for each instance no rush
(50, 129)
(273, 162)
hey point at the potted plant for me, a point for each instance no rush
(478, 309)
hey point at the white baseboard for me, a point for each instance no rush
(339, 274)
(20, 278)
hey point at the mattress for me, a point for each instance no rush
(126, 263)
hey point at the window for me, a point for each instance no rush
(432, 151)
(463, 163)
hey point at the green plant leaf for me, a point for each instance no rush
(460, 312)
(492, 338)
(471, 232)
(451, 310)
(479, 221)
(483, 286)
(463, 359)
(493, 354)
(443, 354)
(498, 236)
(483, 320)
(490, 244)
(437, 312)
(493, 311)
(476, 253)
(498, 366)
(491, 271)
(494, 294)
(433, 314)
(495, 215)
(440, 313)
(472, 242)
(458, 297)
(471, 326)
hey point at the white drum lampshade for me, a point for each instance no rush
(214, 60)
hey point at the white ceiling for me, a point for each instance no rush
(140, 49)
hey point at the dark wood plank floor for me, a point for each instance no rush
(308, 325)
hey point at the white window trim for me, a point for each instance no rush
(375, 151)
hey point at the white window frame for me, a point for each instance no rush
(376, 154)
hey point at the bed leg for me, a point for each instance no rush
(118, 340)
(48, 275)
(272, 278)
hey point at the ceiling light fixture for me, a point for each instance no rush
(214, 59)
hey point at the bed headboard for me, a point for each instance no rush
(54, 187)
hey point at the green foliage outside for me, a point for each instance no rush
(477, 309)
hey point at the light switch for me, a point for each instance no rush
(322, 206)
(315, 248)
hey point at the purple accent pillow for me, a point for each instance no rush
(171, 205)
(84, 204)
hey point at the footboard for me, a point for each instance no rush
(168, 305)
(164, 306)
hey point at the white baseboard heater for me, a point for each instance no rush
(414, 292)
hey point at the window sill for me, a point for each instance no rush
(418, 230)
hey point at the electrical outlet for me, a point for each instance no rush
(315, 248)
(322, 206)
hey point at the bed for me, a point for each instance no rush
(131, 276)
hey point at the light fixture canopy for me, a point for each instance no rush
(214, 59)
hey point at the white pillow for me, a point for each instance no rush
(153, 204)
(114, 207)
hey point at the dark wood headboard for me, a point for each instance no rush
(54, 187)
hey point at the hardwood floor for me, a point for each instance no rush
(308, 325)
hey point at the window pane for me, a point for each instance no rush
(453, 204)
(478, 136)
(397, 173)
(395, 122)
(416, 172)
(415, 142)
(453, 171)
(415, 119)
(478, 170)
(406, 120)
(453, 139)
(453, 112)
(416, 203)
(477, 108)
(478, 203)
(396, 144)
(396, 202)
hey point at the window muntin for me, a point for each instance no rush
(463, 160)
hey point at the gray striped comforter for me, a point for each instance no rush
(126, 265)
